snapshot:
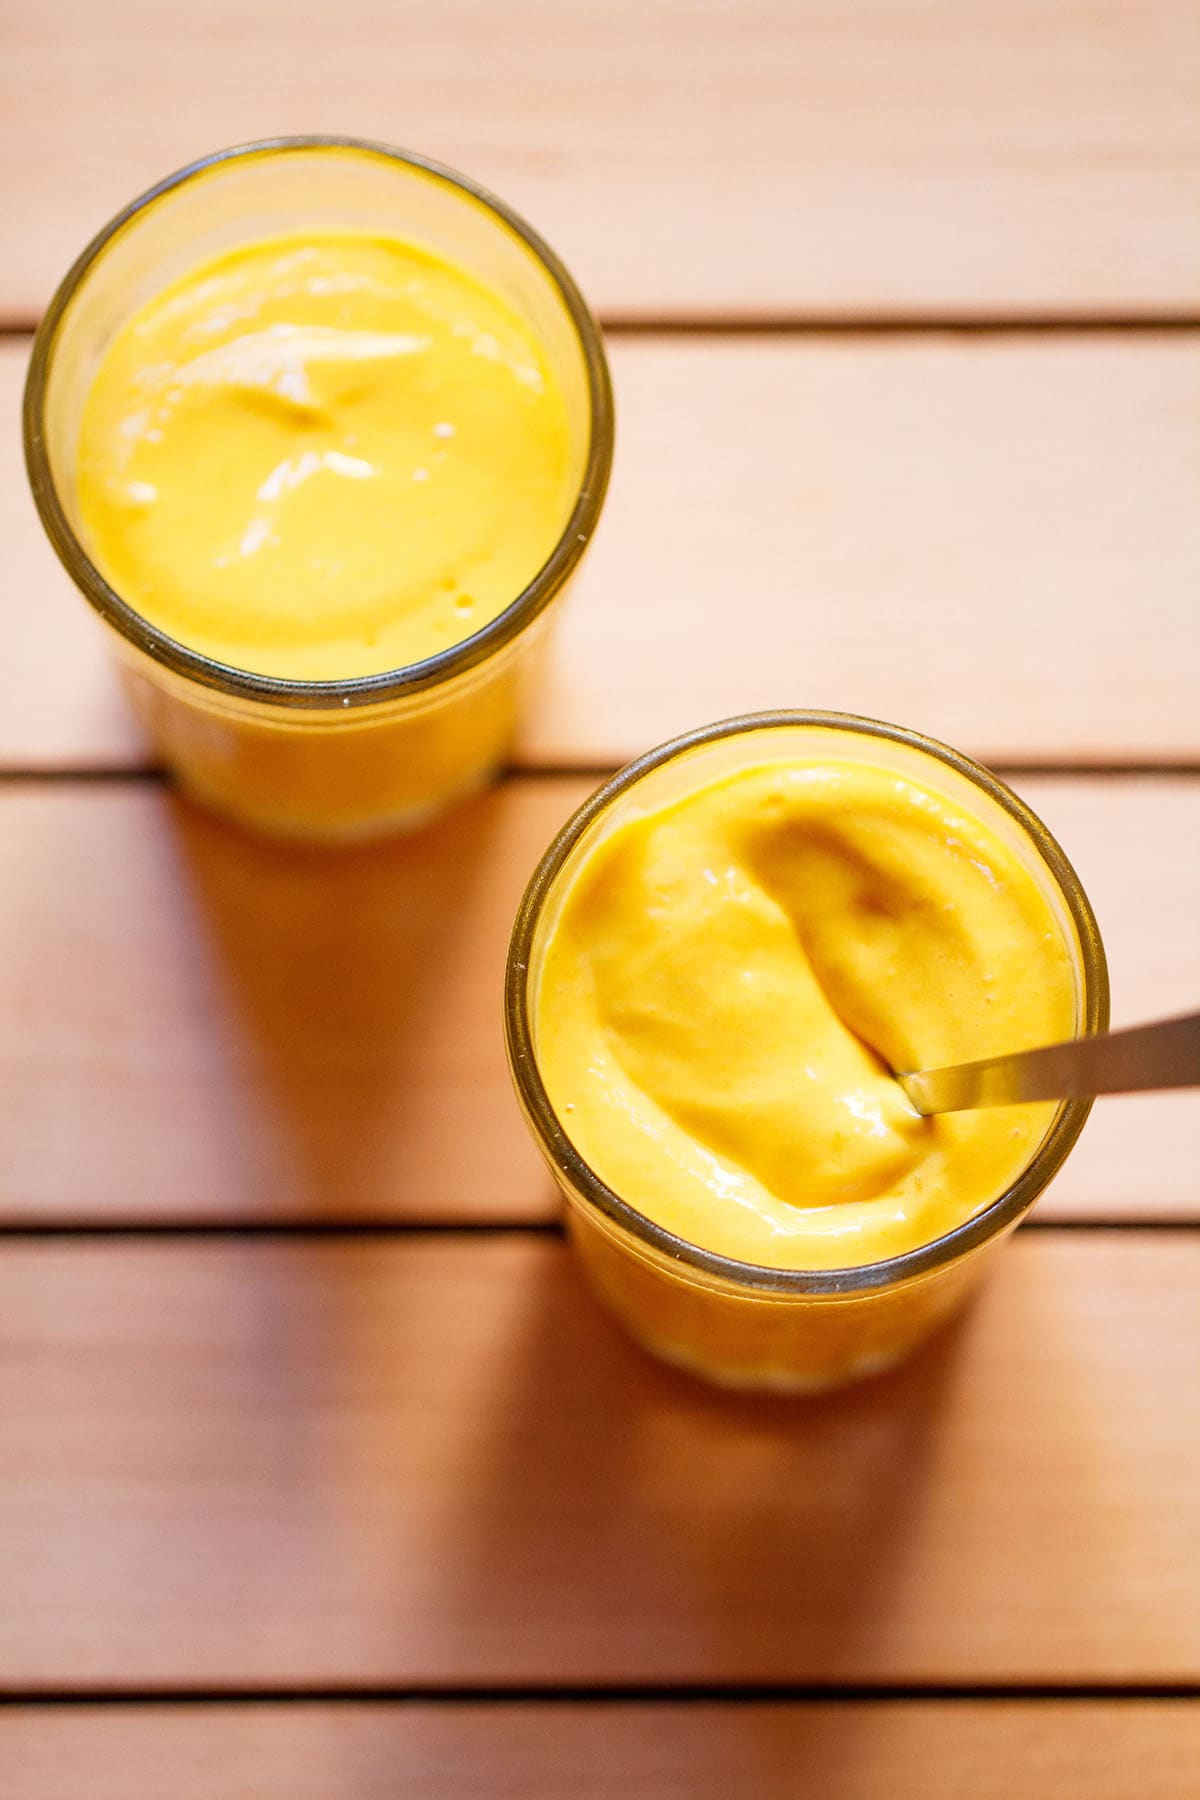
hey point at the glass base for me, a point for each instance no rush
(772, 1380)
(742, 1340)
(339, 833)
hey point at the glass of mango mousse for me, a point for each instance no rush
(321, 430)
(717, 969)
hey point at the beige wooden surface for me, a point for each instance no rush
(239, 1031)
(962, 534)
(436, 1462)
(427, 1464)
(688, 157)
(906, 1750)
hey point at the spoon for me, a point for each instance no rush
(1163, 1055)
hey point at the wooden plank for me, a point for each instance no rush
(239, 1030)
(429, 1463)
(235, 1031)
(1134, 1158)
(688, 158)
(516, 1751)
(994, 539)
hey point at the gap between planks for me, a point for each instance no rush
(613, 1694)
(1006, 768)
(318, 1231)
(817, 325)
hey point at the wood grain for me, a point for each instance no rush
(908, 1751)
(196, 1026)
(993, 539)
(434, 1462)
(689, 159)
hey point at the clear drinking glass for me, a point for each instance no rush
(318, 759)
(738, 1323)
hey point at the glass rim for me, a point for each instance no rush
(924, 1260)
(360, 690)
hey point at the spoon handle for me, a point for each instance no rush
(1163, 1055)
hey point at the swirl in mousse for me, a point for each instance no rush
(725, 982)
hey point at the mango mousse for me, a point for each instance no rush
(323, 456)
(734, 976)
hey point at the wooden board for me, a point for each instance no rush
(688, 158)
(993, 539)
(197, 1026)
(908, 1751)
(248, 1482)
(435, 1462)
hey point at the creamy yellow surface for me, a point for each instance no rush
(732, 979)
(323, 456)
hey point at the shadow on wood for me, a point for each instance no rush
(337, 975)
(723, 1536)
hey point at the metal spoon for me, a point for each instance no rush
(1163, 1055)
